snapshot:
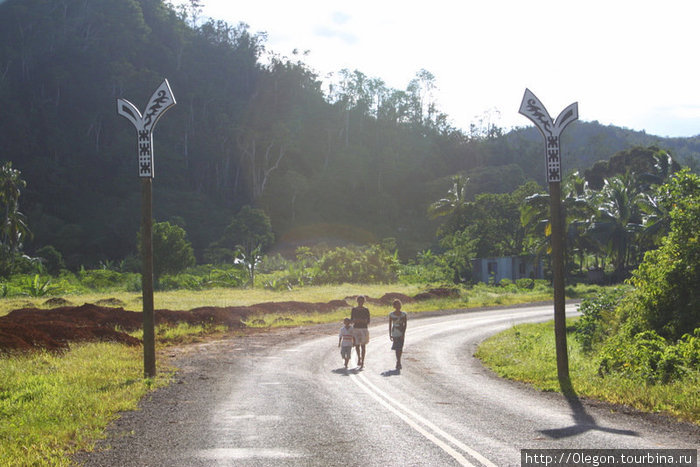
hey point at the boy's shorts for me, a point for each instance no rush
(346, 351)
(361, 336)
(397, 343)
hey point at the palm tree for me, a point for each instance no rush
(534, 216)
(456, 198)
(617, 220)
(656, 218)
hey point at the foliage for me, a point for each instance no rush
(667, 283)
(52, 259)
(13, 228)
(246, 131)
(597, 313)
(459, 248)
(351, 264)
(526, 352)
(454, 201)
(104, 279)
(13, 225)
(37, 286)
(181, 281)
(648, 357)
(428, 268)
(172, 252)
(367, 265)
(248, 235)
(653, 164)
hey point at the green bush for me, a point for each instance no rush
(180, 281)
(234, 276)
(525, 283)
(428, 268)
(667, 295)
(365, 265)
(103, 279)
(649, 358)
(52, 259)
(594, 325)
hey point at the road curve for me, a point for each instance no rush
(285, 399)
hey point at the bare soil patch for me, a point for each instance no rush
(29, 329)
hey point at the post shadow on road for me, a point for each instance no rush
(583, 421)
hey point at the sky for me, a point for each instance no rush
(631, 64)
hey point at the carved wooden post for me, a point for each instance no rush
(160, 101)
(551, 131)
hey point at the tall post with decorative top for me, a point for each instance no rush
(160, 101)
(551, 131)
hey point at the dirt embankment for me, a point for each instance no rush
(54, 329)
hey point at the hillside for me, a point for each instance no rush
(358, 165)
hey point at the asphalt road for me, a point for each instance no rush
(284, 399)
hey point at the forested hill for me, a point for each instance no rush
(359, 164)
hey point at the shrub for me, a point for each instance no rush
(667, 296)
(637, 358)
(648, 357)
(230, 277)
(52, 259)
(99, 279)
(596, 315)
(180, 281)
(358, 265)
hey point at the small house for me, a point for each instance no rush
(507, 267)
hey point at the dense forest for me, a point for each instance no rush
(357, 164)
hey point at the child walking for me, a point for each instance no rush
(346, 341)
(397, 330)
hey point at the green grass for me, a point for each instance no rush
(526, 353)
(52, 405)
(220, 297)
(477, 296)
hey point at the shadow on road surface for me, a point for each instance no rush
(346, 371)
(583, 422)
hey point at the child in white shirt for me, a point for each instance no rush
(346, 341)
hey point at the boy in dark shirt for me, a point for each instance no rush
(360, 320)
(397, 330)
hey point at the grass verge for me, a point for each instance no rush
(527, 353)
(52, 405)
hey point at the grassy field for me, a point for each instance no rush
(526, 353)
(52, 405)
(220, 297)
(477, 296)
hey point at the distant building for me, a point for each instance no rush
(507, 267)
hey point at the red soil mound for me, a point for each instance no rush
(31, 328)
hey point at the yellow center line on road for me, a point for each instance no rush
(414, 421)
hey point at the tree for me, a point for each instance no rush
(52, 259)
(667, 283)
(454, 201)
(617, 220)
(247, 236)
(13, 229)
(172, 252)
